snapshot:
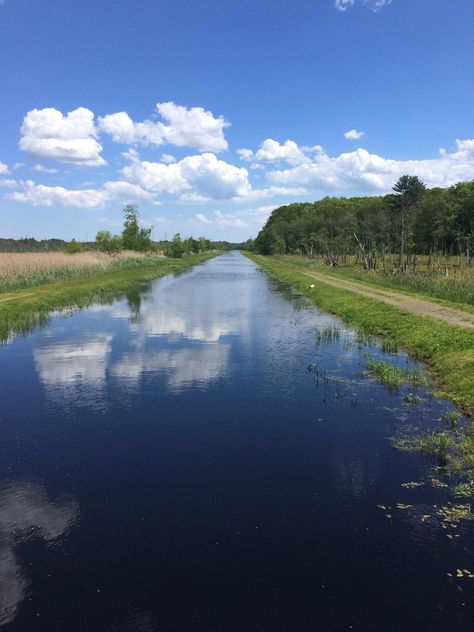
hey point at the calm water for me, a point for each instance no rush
(191, 458)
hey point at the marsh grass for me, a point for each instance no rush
(21, 312)
(20, 271)
(393, 376)
(328, 333)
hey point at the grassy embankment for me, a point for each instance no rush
(454, 290)
(23, 309)
(447, 350)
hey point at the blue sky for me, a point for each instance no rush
(210, 114)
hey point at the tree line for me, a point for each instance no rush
(132, 237)
(412, 220)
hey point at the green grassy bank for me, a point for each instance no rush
(456, 291)
(22, 310)
(447, 350)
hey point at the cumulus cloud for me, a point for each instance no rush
(3, 168)
(70, 138)
(364, 172)
(272, 151)
(353, 134)
(202, 176)
(180, 126)
(42, 195)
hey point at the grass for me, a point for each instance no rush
(327, 334)
(394, 376)
(447, 350)
(24, 270)
(457, 288)
(23, 310)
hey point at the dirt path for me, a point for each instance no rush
(402, 301)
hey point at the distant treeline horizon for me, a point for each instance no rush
(53, 244)
(412, 220)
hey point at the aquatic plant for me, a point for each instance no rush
(327, 334)
(464, 490)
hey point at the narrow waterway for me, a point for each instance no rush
(208, 453)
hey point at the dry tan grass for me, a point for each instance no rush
(17, 268)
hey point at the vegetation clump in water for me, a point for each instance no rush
(394, 376)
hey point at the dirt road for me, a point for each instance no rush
(404, 302)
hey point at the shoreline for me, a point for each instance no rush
(446, 349)
(24, 309)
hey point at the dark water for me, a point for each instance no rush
(191, 458)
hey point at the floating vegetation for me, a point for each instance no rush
(386, 509)
(412, 399)
(406, 443)
(462, 573)
(435, 482)
(328, 333)
(464, 490)
(451, 417)
(393, 376)
(453, 514)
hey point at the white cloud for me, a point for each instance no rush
(3, 167)
(180, 126)
(8, 182)
(202, 218)
(222, 219)
(198, 177)
(167, 158)
(342, 5)
(273, 151)
(43, 169)
(42, 195)
(360, 171)
(374, 5)
(70, 138)
(353, 134)
(119, 190)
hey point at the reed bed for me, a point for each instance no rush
(24, 270)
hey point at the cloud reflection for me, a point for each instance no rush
(26, 513)
(180, 329)
(76, 369)
(183, 367)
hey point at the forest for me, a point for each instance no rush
(381, 232)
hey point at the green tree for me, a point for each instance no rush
(106, 242)
(408, 193)
(135, 237)
(176, 248)
(73, 247)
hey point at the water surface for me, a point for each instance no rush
(193, 457)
